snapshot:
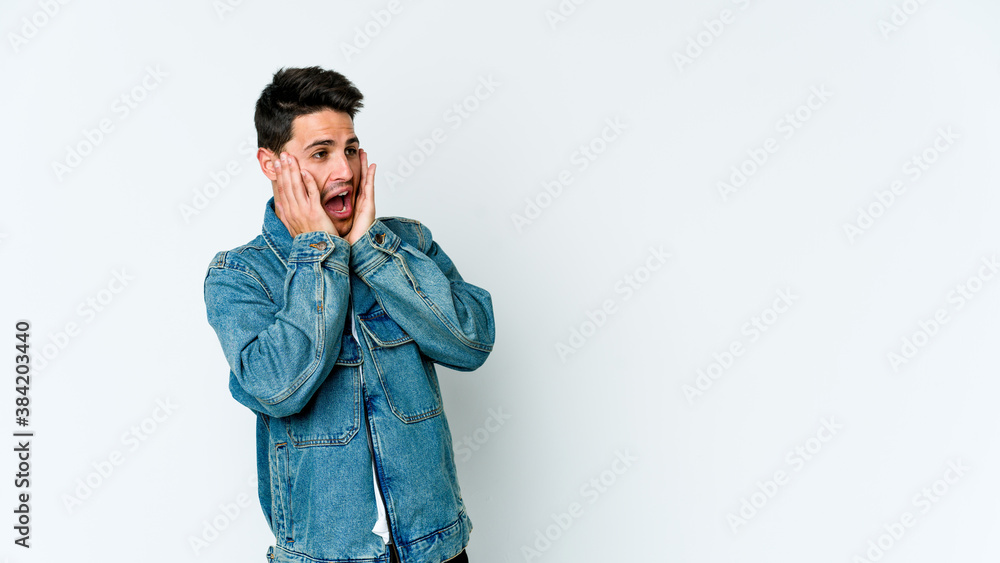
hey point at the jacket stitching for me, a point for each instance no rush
(231, 266)
(274, 246)
(311, 368)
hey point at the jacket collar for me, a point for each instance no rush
(276, 234)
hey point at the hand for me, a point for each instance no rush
(364, 213)
(297, 199)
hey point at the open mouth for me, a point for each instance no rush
(339, 204)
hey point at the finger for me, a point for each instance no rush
(364, 167)
(367, 175)
(292, 191)
(311, 188)
(370, 186)
(309, 196)
(280, 197)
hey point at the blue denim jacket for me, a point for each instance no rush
(280, 309)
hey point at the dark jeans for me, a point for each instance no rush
(460, 558)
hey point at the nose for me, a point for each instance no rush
(340, 169)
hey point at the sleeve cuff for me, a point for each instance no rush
(374, 247)
(317, 246)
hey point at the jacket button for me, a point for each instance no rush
(319, 245)
(379, 237)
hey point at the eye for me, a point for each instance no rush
(351, 151)
(319, 155)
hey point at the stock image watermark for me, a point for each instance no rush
(87, 310)
(700, 41)
(786, 126)
(30, 26)
(913, 169)
(456, 116)
(724, 360)
(22, 481)
(591, 491)
(889, 535)
(626, 286)
(132, 439)
(226, 515)
(223, 8)
(219, 180)
(123, 106)
(23, 434)
(364, 34)
(471, 443)
(562, 12)
(795, 460)
(582, 158)
(955, 300)
(899, 16)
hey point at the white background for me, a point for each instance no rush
(697, 96)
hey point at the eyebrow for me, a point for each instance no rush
(329, 143)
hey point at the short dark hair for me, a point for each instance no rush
(300, 91)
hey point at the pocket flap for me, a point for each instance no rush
(383, 330)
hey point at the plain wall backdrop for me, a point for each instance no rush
(743, 257)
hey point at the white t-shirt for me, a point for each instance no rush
(381, 525)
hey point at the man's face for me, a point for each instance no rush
(326, 147)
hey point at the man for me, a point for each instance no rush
(331, 321)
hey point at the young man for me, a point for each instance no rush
(331, 321)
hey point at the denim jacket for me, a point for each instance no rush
(280, 309)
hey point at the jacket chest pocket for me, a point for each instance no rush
(407, 376)
(333, 415)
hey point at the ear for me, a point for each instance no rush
(265, 157)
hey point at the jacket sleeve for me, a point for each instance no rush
(278, 357)
(420, 289)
